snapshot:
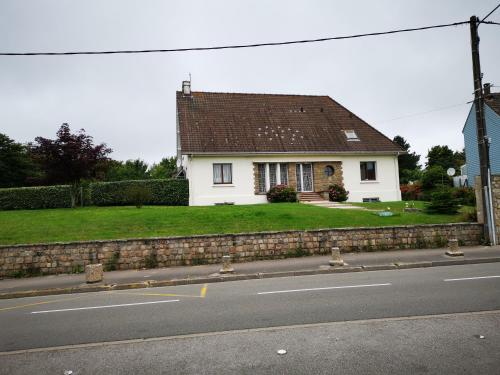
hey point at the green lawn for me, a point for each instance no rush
(90, 223)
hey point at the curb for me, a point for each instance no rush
(251, 276)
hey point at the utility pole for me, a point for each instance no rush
(482, 140)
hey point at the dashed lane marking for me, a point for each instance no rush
(104, 306)
(324, 288)
(473, 278)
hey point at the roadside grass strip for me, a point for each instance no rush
(323, 288)
(104, 306)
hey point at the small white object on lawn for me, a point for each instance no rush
(68, 372)
(481, 336)
(281, 351)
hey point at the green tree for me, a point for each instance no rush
(433, 177)
(16, 167)
(459, 158)
(441, 156)
(69, 159)
(166, 168)
(130, 170)
(409, 169)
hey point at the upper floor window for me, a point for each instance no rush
(223, 173)
(351, 135)
(368, 170)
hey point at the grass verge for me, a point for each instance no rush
(99, 223)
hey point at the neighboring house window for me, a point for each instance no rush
(223, 173)
(272, 175)
(284, 174)
(351, 135)
(262, 177)
(368, 171)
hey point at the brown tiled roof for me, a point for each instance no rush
(250, 123)
(493, 101)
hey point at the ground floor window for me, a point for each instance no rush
(368, 170)
(270, 175)
(223, 173)
(261, 169)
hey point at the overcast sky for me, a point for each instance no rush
(128, 101)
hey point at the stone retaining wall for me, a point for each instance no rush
(25, 260)
(495, 197)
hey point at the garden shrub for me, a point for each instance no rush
(337, 193)
(169, 192)
(138, 195)
(35, 197)
(435, 176)
(469, 216)
(411, 192)
(281, 193)
(443, 202)
(465, 196)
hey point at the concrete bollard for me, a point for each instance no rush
(93, 273)
(453, 250)
(226, 264)
(336, 258)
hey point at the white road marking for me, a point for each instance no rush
(325, 288)
(472, 278)
(104, 307)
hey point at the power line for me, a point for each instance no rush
(424, 113)
(489, 14)
(268, 44)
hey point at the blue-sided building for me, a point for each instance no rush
(492, 117)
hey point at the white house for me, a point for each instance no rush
(234, 147)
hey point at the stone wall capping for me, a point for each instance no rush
(245, 234)
(121, 254)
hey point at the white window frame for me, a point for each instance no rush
(278, 174)
(376, 171)
(351, 135)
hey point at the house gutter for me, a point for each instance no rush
(395, 153)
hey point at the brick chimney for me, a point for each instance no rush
(186, 88)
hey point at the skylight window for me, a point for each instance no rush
(351, 135)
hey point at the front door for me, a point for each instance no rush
(304, 177)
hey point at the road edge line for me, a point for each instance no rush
(251, 276)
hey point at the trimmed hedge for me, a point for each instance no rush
(161, 192)
(35, 197)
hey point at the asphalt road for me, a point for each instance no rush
(40, 322)
(446, 344)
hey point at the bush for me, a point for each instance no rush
(465, 196)
(411, 192)
(281, 193)
(469, 216)
(337, 193)
(35, 197)
(161, 192)
(435, 176)
(443, 202)
(138, 195)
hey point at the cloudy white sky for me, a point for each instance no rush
(128, 101)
